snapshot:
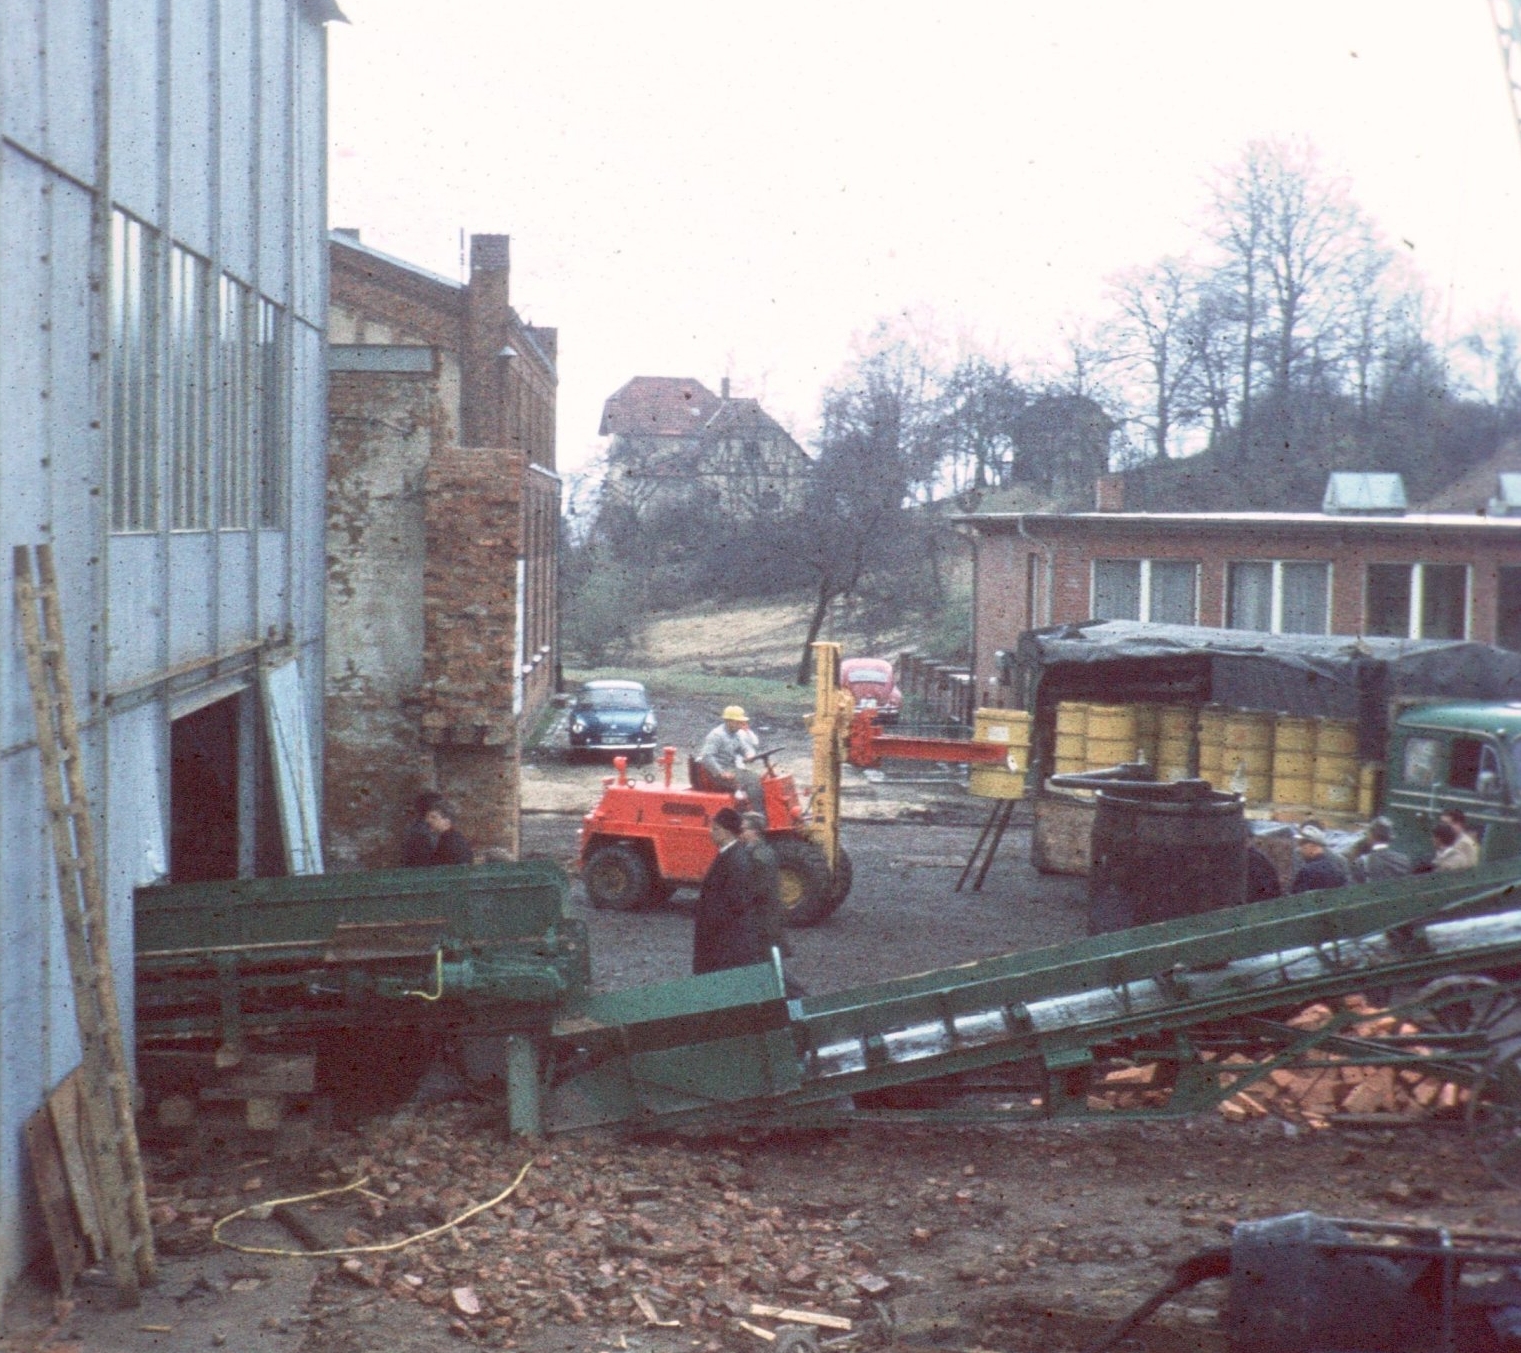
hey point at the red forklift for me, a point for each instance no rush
(646, 838)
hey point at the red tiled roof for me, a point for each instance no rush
(1472, 491)
(658, 406)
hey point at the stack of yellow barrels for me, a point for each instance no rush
(1071, 738)
(1335, 789)
(1009, 728)
(1212, 747)
(1175, 742)
(1294, 763)
(1111, 736)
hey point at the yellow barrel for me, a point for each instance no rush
(1071, 737)
(1175, 742)
(1212, 747)
(1293, 762)
(1336, 770)
(1147, 730)
(1370, 788)
(1011, 729)
(1247, 754)
(1111, 735)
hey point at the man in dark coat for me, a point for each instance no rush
(1317, 869)
(728, 929)
(452, 846)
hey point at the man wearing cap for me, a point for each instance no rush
(1378, 859)
(1317, 868)
(725, 750)
(728, 928)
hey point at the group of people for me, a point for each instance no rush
(1374, 858)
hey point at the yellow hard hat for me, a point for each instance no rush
(736, 714)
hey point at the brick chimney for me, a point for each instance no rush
(1109, 493)
(488, 355)
(723, 388)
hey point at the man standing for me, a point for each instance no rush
(453, 846)
(1380, 860)
(1454, 848)
(419, 840)
(1316, 869)
(728, 930)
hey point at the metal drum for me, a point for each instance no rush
(1165, 850)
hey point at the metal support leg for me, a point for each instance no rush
(991, 837)
(524, 1117)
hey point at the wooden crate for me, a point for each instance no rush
(1062, 842)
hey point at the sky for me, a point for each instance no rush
(702, 190)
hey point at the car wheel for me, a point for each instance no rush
(617, 878)
(802, 881)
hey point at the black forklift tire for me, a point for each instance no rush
(804, 883)
(617, 879)
(844, 876)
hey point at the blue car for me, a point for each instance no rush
(613, 716)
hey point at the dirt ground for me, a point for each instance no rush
(949, 1237)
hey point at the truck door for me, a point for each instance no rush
(1438, 769)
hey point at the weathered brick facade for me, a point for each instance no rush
(1039, 569)
(443, 510)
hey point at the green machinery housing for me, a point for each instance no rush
(487, 952)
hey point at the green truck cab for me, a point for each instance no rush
(1456, 754)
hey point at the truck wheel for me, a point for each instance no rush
(616, 877)
(844, 876)
(803, 881)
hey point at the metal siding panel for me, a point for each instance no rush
(76, 449)
(21, 85)
(134, 618)
(136, 151)
(71, 77)
(275, 153)
(273, 583)
(192, 108)
(239, 149)
(23, 421)
(309, 478)
(235, 567)
(310, 215)
(192, 597)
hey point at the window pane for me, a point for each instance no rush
(1249, 597)
(237, 423)
(1305, 587)
(269, 402)
(1444, 601)
(189, 432)
(1421, 762)
(1388, 610)
(1172, 592)
(1116, 589)
(134, 384)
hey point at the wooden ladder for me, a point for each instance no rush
(112, 1154)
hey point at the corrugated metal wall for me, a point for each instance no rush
(204, 121)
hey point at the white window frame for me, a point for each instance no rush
(1276, 604)
(1144, 598)
(1414, 628)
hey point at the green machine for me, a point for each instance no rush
(1203, 1004)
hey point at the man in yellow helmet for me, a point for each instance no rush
(726, 750)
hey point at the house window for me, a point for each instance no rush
(134, 376)
(189, 424)
(1417, 601)
(1278, 596)
(1508, 619)
(239, 412)
(273, 434)
(1162, 591)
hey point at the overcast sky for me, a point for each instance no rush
(701, 190)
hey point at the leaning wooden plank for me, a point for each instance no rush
(70, 1249)
(63, 1108)
(791, 1317)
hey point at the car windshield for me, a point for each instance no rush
(612, 699)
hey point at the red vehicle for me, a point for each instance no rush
(872, 686)
(645, 839)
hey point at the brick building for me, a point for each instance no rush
(443, 519)
(1419, 575)
(672, 437)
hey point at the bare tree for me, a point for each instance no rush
(1156, 307)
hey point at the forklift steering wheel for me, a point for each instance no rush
(763, 755)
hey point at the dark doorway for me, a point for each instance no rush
(203, 794)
